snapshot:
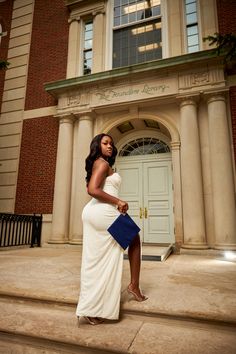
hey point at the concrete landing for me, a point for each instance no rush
(191, 306)
(154, 253)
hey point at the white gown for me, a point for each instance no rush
(102, 258)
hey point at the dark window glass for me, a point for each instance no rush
(137, 44)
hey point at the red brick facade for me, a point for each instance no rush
(233, 114)
(226, 16)
(47, 62)
(36, 175)
(227, 24)
(5, 21)
(48, 52)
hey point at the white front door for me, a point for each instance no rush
(147, 187)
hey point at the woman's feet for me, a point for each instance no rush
(135, 291)
(94, 320)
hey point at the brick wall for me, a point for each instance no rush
(233, 115)
(227, 23)
(48, 52)
(226, 10)
(36, 175)
(5, 21)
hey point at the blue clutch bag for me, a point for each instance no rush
(124, 230)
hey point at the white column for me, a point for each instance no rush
(222, 174)
(178, 215)
(73, 59)
(80, 197)
(98, 42)
(62, 189)
(191, 176)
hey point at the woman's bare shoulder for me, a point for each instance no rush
(101, 165)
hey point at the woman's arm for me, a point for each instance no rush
(99, 173)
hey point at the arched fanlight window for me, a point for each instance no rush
(144, 146)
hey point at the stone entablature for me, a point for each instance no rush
(170, 78)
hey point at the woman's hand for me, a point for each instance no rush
(122, 206)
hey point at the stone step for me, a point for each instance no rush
(40, 327)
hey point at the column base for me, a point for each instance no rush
(225, 247)
(58, 241)
(76, 242)
(195, 246)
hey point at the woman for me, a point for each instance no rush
(102, 257)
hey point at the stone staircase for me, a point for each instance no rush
(175, 320)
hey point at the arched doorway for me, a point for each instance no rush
(144, 163)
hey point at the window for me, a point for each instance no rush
(88, 47)
(144, 146)
(137, 34)
(192, 26)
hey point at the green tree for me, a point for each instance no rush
(225, 44)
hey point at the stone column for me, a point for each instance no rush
(178, 215)
(98, 42)
(222, 174)
(83, 136)
(191, 175)
(62, 189)
(73, 59)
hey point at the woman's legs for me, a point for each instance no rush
(134, 253)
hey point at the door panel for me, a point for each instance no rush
(131, 189)
(157, 195)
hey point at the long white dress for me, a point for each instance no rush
(102, 258)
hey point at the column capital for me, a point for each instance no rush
(87, 115)
(65, 118)
(73, 19)
(188, 100)
(216, 96)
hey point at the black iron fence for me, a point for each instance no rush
(17, 230)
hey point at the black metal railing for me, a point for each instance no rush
(17, 230)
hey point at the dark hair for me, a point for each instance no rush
(96, 152)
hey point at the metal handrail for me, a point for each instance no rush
(17, 230)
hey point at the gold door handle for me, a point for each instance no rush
(140, 213)
(145, 213)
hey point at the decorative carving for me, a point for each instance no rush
(200, 78)
(73, 100)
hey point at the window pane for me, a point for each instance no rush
(117, 11)
(191, 8)
(117, 21)
(191, 18)
(124, 19)
(193, 40)
(189, 1)
(194, 48)
(88, 26)
(192, 30)
(156, 11)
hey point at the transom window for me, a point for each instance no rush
(144, 146)
(192, 25)
(136, 31)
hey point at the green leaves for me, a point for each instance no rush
(225, 44)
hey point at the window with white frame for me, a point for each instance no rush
(137, 32)
(192, 30)
(88, 47)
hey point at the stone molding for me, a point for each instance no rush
(175, 145)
